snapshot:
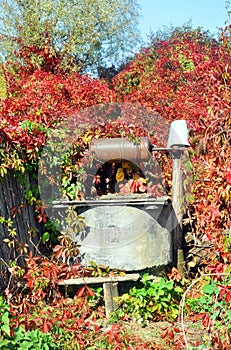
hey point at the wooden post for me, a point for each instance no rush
(177, 184)
(177, 196)
(110, 292)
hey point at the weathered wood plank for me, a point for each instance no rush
(99, 279)
(138, 199)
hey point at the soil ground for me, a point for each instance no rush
(153, 332)
(193, 333)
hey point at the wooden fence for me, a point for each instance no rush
(14, 206)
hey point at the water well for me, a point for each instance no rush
(131, 231)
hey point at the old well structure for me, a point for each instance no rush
(130, 231)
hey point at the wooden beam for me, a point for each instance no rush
(95, 280)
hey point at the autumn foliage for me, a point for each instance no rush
(189, 77)
(186, 77)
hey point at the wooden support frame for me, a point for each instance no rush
(110, 287)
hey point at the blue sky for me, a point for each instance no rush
(209, 14)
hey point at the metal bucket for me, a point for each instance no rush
(178, 135)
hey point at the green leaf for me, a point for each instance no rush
(178, 289)
(6, 329)
(45, 237)
(210, 288)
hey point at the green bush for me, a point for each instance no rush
(212, 304)
(21, 340)
(30, 340)
(159, 297)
